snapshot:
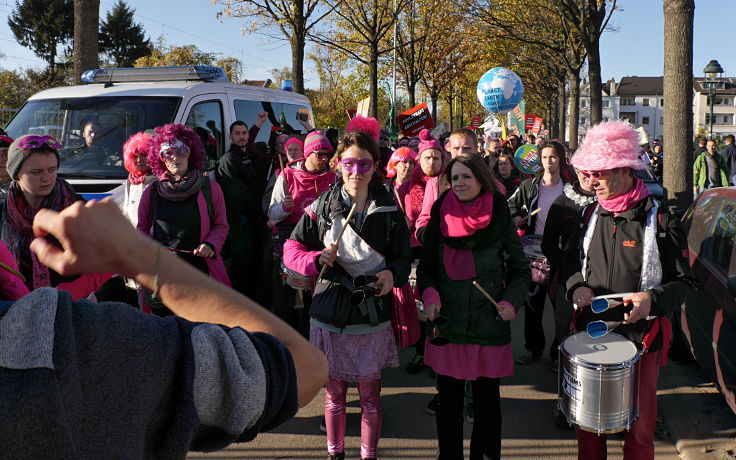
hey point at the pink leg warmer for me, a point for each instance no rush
(335, 415)
(370, 427)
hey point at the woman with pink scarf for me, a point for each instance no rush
(471, 241)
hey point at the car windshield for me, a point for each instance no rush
(92, 130)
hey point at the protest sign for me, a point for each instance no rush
(414, 120)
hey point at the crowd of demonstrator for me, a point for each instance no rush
(329, 235)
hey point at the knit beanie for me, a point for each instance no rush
(316, 140)
(18, 155)
(428, 142)
(294, 140)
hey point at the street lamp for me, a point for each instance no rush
(712, 71)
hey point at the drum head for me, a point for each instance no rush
(532, 245)
(609, 349)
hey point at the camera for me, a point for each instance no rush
(363, 290)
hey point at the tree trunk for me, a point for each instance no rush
(594, 82)
(297, 62)
(452, 121)
(435, 98)
(86, 27)
(573, 82)
(561, 113)
(678, 97)
(553, 120)
(411, 89)
(373, 65)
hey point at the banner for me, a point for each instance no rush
(475, 123)
(527, 159)
(537, 125)
(414, 120)
(516, 117)
(529, 121)
(364, 106)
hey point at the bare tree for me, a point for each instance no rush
(86, 28)
(678, 96)
(589, 18)
(294, 19)
(360, 32)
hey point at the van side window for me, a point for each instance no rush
(722, 236)
(206, 119)
(291, 118)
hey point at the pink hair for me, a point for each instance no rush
(170, 134)
(137, 144)
(401, 154)
(609, 145)
(368, 125)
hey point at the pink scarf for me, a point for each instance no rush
(459, 220)
(626, 201)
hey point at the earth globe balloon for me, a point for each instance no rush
(500, 90)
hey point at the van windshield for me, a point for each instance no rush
(92, 130)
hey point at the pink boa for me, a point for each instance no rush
(626, 201)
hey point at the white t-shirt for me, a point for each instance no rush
(547, 196)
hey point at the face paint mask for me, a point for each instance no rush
(355, 166)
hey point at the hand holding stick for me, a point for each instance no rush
(488, 296)
(339, 236)
(535, 212)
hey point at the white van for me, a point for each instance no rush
(126, 101)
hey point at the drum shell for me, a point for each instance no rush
(294, 279)
(600, 398)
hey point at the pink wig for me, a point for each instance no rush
(399, 155)
(137, 144)
(368, 125)
(170, 134)
(609, 145)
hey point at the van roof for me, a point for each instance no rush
(170, 88)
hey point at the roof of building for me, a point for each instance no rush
(729, 86)
(640, 86)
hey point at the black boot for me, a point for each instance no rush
(338, 456)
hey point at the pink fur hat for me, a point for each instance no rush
(368, 125)
(609, 145)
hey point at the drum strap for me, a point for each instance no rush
(657, 324)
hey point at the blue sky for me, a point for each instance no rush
(634, 48)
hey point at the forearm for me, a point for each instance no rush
(196, 297)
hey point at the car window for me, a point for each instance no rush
(206, 119)
(721, 237)
(290, 117)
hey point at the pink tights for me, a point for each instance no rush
(335, 415)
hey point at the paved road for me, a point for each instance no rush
(528, 431)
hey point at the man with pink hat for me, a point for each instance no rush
(629, 243)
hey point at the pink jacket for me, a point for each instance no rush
(215, 234)
(12, 286)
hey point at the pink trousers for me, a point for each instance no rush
(335, 416)
(639, 441)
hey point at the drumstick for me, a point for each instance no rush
(488, 296)
(533, 213)
(281, 162)
(398, 200)
(315, 188)
(339, 236)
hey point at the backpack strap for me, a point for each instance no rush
(207, 192)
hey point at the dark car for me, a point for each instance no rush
(708, 317)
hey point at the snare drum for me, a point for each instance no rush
(294, 279)
(538, 263)
(598, 382)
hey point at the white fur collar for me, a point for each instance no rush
(578, 198)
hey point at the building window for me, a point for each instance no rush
(605, 119)
(583, 103)
(661, 102)
(661, 120)
(645, 120)
(606, 104)
(645, 102)
(627, 101)
(582, 121)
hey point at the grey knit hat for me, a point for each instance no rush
(17, 155)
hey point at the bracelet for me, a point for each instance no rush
(155, 273)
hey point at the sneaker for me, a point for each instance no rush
(469, 415)
(323, 425)
(527, 358)
(415, 365)
(431, 408)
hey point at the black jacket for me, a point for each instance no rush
(615, 264)
(330, 301)
(524, 201)
(729, 154)
(563, 221)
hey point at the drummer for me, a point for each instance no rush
(538, 193)
(615, 246)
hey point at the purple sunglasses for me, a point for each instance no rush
(37, 142)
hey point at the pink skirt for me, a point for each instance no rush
(470, 361)
(356, 357)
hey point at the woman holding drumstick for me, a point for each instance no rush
(471, 239)
(350, 316)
